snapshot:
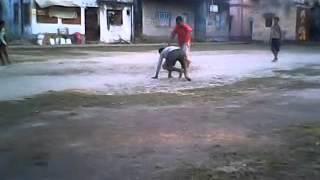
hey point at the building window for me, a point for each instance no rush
(73, 19)
(26, 14)
(213, 8)
(43, 16)
(164, 19)
(268, 19)
(115, 17)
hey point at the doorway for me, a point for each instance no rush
(91, 25)
(251, 29)
(303, 24)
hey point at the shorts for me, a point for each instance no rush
(2, 45)
(174, 56)
(186, 48)
(275, 45)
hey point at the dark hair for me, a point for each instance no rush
(276, 18)
(160, 50)
(179, 19)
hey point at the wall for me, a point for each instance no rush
(115, 32)
(217, 24)
(151, 29)
(287, 13)
(37, 28)
(14, 27)
(242, 15)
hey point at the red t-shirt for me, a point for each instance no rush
(184, 33)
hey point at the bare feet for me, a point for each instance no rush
(275, 60)
(155, 77)
(180, 74)
(188, 79)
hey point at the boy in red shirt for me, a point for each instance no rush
(184, 33)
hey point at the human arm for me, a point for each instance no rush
(2, 37)
(158, 67)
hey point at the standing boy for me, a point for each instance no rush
(275, 37)
(184, 33)
(3, 45)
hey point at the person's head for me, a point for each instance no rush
(276, 20)
(2, 23)
(179, 20)
(160, 50)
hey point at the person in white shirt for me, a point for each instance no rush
(172, 54)
(3, 45)
(275, 37)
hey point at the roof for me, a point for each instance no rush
(115, 1)
(66, 3)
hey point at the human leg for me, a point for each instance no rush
(5, 53)
(3, 62)
(186, 48)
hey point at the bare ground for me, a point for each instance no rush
(259, 128)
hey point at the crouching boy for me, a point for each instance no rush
(172, 55)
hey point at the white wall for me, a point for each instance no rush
(115, 32)
(150, 8)
(37, 28)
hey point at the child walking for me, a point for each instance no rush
(275, 36)
(3, 45)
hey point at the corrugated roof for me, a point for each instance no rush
(66, 3)
(115, 1)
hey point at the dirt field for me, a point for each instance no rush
(255, 127)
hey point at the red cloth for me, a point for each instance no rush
(78, 38)
(184, 33)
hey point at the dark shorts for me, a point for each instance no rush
(275, 45)
(174, 56)
(2, 46)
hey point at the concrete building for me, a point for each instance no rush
(17, 15)
(298, 19)
(99, 20)
(241, 19)
(116, 20)
(155, 19)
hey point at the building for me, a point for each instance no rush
(106, 21)
(155, 19)
(299, 19)
(241, 19)
(16, 13)
(116, 20)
